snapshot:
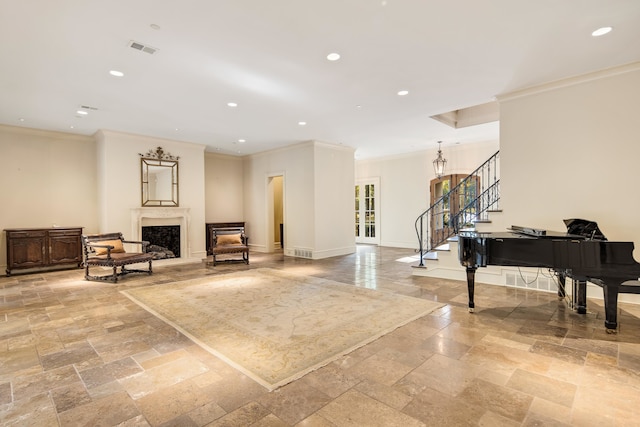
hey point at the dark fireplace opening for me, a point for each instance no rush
(164, 240)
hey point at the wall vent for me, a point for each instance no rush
(303, 253)
(530, 281)
(142, 47)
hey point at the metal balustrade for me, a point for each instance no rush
(472, 199)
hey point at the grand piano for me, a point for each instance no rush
(582, 253)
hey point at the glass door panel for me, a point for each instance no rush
(366, 230)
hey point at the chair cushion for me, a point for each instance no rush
(229, 239)
(117, 246)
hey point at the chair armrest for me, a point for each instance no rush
(144, 243)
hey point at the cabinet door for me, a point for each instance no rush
(27, 252)
(64, 247)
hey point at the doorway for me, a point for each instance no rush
(367, 202)
(275, 213)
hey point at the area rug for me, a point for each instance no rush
(275, 326)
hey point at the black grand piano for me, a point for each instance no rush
(582, 254)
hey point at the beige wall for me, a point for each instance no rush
(119, 181)
(48, 179)
(334, 177)
(224, 188)
(571, 150)
(307, 195)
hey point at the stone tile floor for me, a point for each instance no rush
(77, 353)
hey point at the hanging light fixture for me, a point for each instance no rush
(439, 163)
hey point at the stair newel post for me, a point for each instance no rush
(420, 244)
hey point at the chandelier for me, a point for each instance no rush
(439, 163)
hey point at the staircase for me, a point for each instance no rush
(478, 200)
(467, 204)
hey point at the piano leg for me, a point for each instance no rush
(580, 296)
(562, 289)
(471, 280)
(611, 307)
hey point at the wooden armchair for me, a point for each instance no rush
(229, 240)
(107, 250)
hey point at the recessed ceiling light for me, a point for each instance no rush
(232, 104)
(302, 123)
(242, 141)
(116, 73)
(601, 31)
(155, 26)
(333, 56)
(403, 92)
(82, 112)
(21, 119)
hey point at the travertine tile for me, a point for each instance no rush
(108, 411)
(356, 409)
(294, 402)
(80, 353)
(505, 401)
(544, 387)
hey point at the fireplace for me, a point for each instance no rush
(163, 217)
(164, 240)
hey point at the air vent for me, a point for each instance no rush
(86, 107)
(142, 47)
(303, 253)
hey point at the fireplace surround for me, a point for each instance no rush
(151, 216)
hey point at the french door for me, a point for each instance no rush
(367, 200)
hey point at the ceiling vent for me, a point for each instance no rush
(141, 47)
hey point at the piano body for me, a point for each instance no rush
(583, 254)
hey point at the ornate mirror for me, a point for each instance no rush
(159, 172)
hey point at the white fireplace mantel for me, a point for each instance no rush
(180, 216)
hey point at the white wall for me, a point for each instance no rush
(119, 181)
(404, 182)
(48, 179)
(571, 150)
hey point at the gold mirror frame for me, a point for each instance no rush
(159, 176)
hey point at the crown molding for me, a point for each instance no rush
(570, 81)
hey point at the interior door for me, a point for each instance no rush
(367, 200)
(447, 205)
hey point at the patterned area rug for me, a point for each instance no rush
(274, 326)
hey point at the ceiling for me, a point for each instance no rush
(269, 57)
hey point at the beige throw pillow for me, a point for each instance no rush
(229, 239)
(117, 246)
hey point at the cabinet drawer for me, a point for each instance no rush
(26, 234)
(63, 233)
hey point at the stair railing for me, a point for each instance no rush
(470, 201)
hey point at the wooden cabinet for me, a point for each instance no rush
(43, 247)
